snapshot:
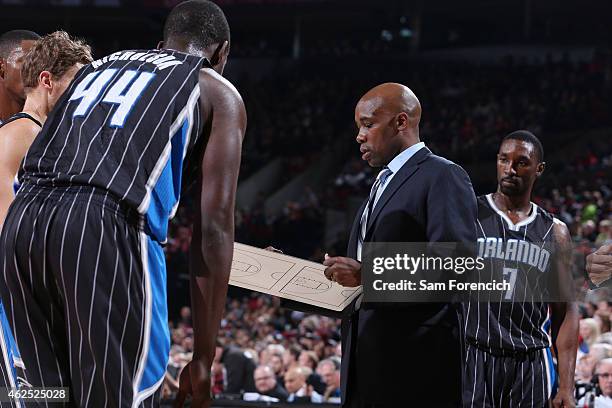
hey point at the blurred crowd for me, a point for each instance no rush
(467, 107)
(594, 359)
(265, 353)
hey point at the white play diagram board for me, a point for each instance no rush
(287, 277)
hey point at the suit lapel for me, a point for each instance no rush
(404, 173)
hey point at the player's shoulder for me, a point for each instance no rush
(18, 129)
(483, 200)
(216, 85)
(559, 228)
(548, 216)
(218, 92)
(485, 208)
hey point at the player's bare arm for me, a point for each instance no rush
(15, 138)
(224, 123)
(565, 320)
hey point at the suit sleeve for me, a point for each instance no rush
(451, 207)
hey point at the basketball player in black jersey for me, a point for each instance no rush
(13, 46)
(82, 242)
(508, 362)
(47, 70)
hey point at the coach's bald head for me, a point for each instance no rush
(394, 98)
(387, 117)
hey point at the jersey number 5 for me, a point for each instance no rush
(125, 91)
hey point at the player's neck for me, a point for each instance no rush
(36, 106)
(520, 206)
(8, 104)
(185, 47)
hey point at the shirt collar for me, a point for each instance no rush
(401, 159)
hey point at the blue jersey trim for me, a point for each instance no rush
(167, 190)
(159, 342)
(9, 341)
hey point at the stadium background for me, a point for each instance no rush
(480, 70)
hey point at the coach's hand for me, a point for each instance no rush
(195, 381)
(599, 264)
(345, 271)
(564, 399)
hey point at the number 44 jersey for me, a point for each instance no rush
(523, 255)
(128, 124)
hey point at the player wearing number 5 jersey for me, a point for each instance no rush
(508, 337)
(82, 242)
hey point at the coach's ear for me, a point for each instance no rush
(2, 63)
(540, 169)
(160, 45)
(402, 121)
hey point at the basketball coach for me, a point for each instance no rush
(402, 354)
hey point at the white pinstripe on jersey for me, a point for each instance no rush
(62, 274)
(25, 302)
(93, 297)
(140, 396)
(76, 285)
(44, 279)
(123, 330)
(108, 314)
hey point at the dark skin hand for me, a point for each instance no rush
(599, 264)
(345, 271)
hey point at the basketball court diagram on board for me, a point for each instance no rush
(287, 277)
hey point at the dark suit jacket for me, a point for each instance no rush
(398, 355)
(409, 353)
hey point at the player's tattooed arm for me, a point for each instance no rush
(213, 237)
(565, 319)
